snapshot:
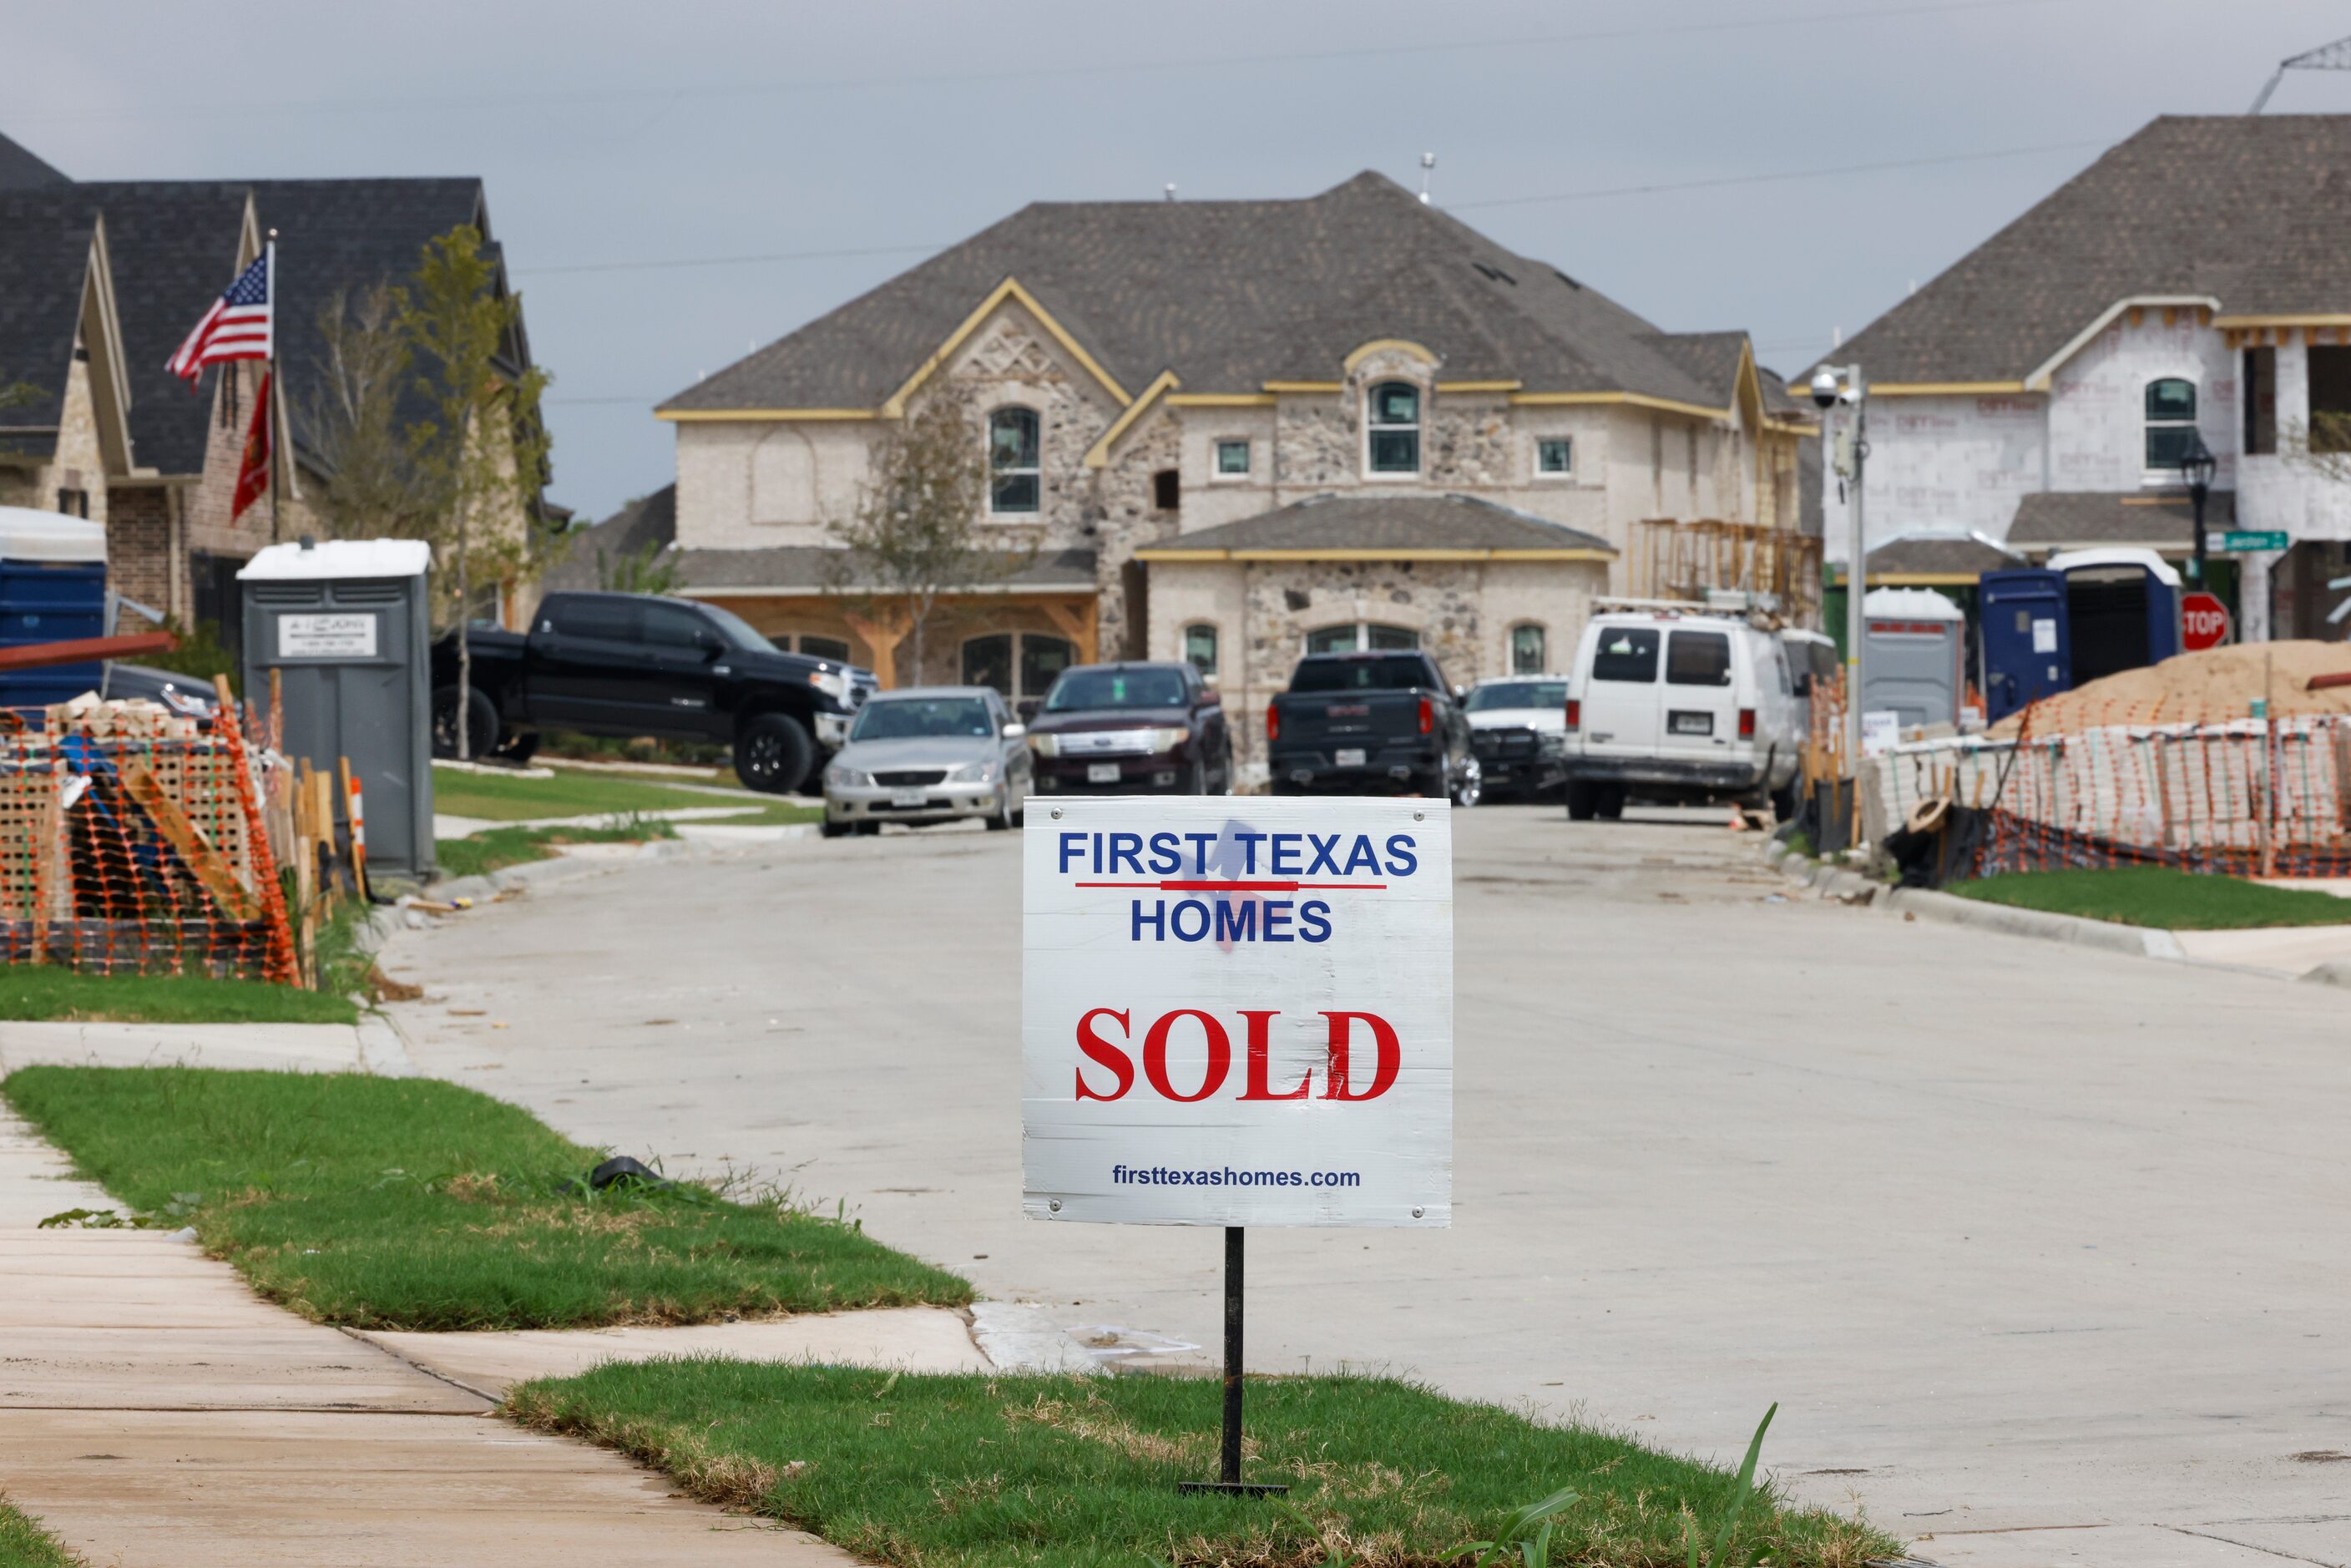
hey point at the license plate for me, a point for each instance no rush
(1692, 723)
(1102, 772)
(904, 798)
(1351, 757)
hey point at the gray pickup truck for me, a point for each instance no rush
(1377, 722)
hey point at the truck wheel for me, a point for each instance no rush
(832, 829)
(1611, 804)
(1582, 802)
(481, 723)
(772, 753)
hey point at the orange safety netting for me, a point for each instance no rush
(132, 839)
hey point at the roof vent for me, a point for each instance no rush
(1566, 280)
(1496, 273)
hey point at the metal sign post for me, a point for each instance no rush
(1228, 1449)
(1237, 1012)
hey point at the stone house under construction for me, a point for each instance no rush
(1234, 432)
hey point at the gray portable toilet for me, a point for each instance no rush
(1914, 658)
(346, 625)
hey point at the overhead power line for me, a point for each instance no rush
(346, 104)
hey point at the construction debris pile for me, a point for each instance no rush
(133, 838)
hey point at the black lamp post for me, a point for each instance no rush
(2197, 466)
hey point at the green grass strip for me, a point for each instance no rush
(981, 1471)
(25, 1544)
(2160, 896)
(415, 1203)
(40, 991)
(512, 799)
(495, 849)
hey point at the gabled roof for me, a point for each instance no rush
(44, 260)
(175, 245)
(20, 170)
(2251, 214)
(591, 551)
(1229, 295)
(1386, 528)
(1953, 559)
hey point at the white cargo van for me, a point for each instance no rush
(1675, 708)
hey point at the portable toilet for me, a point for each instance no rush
(2122, 609)
(2026, 654)
(1914, 655)
(52, 589)
(345, 625)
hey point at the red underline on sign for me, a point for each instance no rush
(1244, 887)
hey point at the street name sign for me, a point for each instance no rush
(1237, 1010)
(2240, 540)
(2203, 621)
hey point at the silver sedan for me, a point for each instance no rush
(928, 754)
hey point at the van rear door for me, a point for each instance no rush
(1620, 691)
(1701, 700)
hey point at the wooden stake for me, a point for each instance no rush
(355, 810)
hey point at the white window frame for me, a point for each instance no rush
(1216, 647)
(1419, 428)
(1510, 647)
(1038, 472)
(1216, 474)
(1554, 475)
(1362, 631)
(2165, 476)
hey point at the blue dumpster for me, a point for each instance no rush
(52, 589)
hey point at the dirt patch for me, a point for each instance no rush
(2210, 687)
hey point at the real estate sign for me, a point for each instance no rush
(1238, 1012)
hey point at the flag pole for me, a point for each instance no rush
(270, 380)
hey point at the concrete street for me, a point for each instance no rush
(2042, 1250)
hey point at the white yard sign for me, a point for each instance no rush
(1238, 1011)
(346, 636)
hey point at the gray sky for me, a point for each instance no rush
(623, 133)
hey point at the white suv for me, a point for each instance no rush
(1676, 708)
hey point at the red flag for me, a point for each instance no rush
(253, 474)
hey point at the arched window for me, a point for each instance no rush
(1528, 655)
(1200, 648)
(1015, 480)
(1392, 419)
(1360, 636)
(2170, 422)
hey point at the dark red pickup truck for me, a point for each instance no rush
(1356, 723)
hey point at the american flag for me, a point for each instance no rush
(237, 327)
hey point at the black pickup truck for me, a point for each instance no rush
(631, 665)
(1362, 722)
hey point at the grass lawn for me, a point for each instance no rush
(415, 1204)
(36, 991)
(513, 799)
(981, 1471)
(2159, 896)
(495, 848)
(25, 1544)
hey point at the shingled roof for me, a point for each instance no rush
(1406, 524)
(2059, 520)
(20, 170)
(2252, 210)
(591, 552)
(1230, 295)
(45, 250)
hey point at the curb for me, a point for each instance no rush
(2143, 941)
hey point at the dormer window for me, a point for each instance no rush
(2170, 424)
(1393, 410)
(1015, 479)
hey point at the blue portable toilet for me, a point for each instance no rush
(2122, 609)
(52, 589)
(2026, 656)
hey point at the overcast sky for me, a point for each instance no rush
(613, 133)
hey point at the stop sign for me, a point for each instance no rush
(2203, 621)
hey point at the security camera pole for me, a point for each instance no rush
(1833, 384)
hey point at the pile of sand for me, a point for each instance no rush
(2210, 687)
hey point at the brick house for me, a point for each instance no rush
(171, 247)
(2193, 282)
(1233, 430)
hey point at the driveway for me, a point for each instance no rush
(2041, 1250)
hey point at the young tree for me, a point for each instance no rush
(374, 488)
(480, 458)
(915, 532)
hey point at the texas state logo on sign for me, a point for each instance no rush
(1237, 1010)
